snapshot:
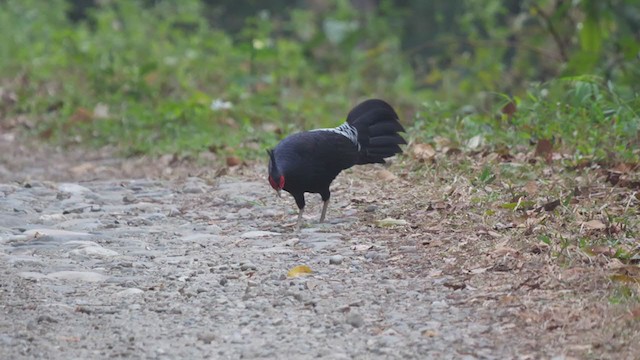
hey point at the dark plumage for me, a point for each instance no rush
(310, 160)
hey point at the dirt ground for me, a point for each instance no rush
(161, 258)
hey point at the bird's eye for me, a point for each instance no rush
(281, 182)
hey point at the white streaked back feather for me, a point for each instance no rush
(346, 130)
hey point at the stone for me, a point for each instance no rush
(73, 188)
(248, 266)
(354, 319)
(257, 234)
(336, 260)
(206, 337)
(36, 233)
(94, 251)
(86, 276)
(129, 292)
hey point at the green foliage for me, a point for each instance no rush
(584, 116)
(160, 70)
(464, 48)
(164, 76)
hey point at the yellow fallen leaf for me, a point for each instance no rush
(386, 175)
(423, 152)
(299, 270)
(388, 222)
(594, 225)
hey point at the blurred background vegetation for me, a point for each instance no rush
(161, 76)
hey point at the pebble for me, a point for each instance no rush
(129, 199)
(257, 234)
(354, 319)
(87, 276)
(439, 304)
(46, 318)
(129, 292)
(336, 260)
(248, 266)
(95, 251)
(52, 217)
(73, 188)
(97, 286)
(36, 233)
(192, 189)
(206, 337)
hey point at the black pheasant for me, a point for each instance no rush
(310, 160)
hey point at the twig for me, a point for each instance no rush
(553, 32)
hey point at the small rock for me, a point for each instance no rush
(87, 276)
(155, 217)
(129, 292)
(31, 275)
(336, 260)
(94, 251)
(440, 304)
(73, 188)
(53, 217)
(75, 210)
(248, 266)
(244, 212)
(354, 319)
(192, 189)
(407, 249)
(36, 233)
(373, 255)
(129, 199)
(174, 211)
(258, 233)
(206, 337)
(370, 208)
(46, 318)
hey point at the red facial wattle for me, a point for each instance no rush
(277, 186)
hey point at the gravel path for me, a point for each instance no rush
(138, 268)
(98, 262)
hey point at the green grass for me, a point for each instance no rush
(143, 79)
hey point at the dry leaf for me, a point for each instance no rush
(635, 313)
(362, 247)
(550, 206)
(390, 222)
(504, 250)
(479, 270)
(271, 128)
(625, 278)
(101, 111)
(423, 152)
(429, 333)
(81, 115)
(233, 161)
(82, 169)
(594, 225)
(603, 250)
(475, 142)
(544, 149)
(531, 188)
(300, 270)
(441, 142)
(509, 109)
(386, 175)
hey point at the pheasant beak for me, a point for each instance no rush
(279, 193)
